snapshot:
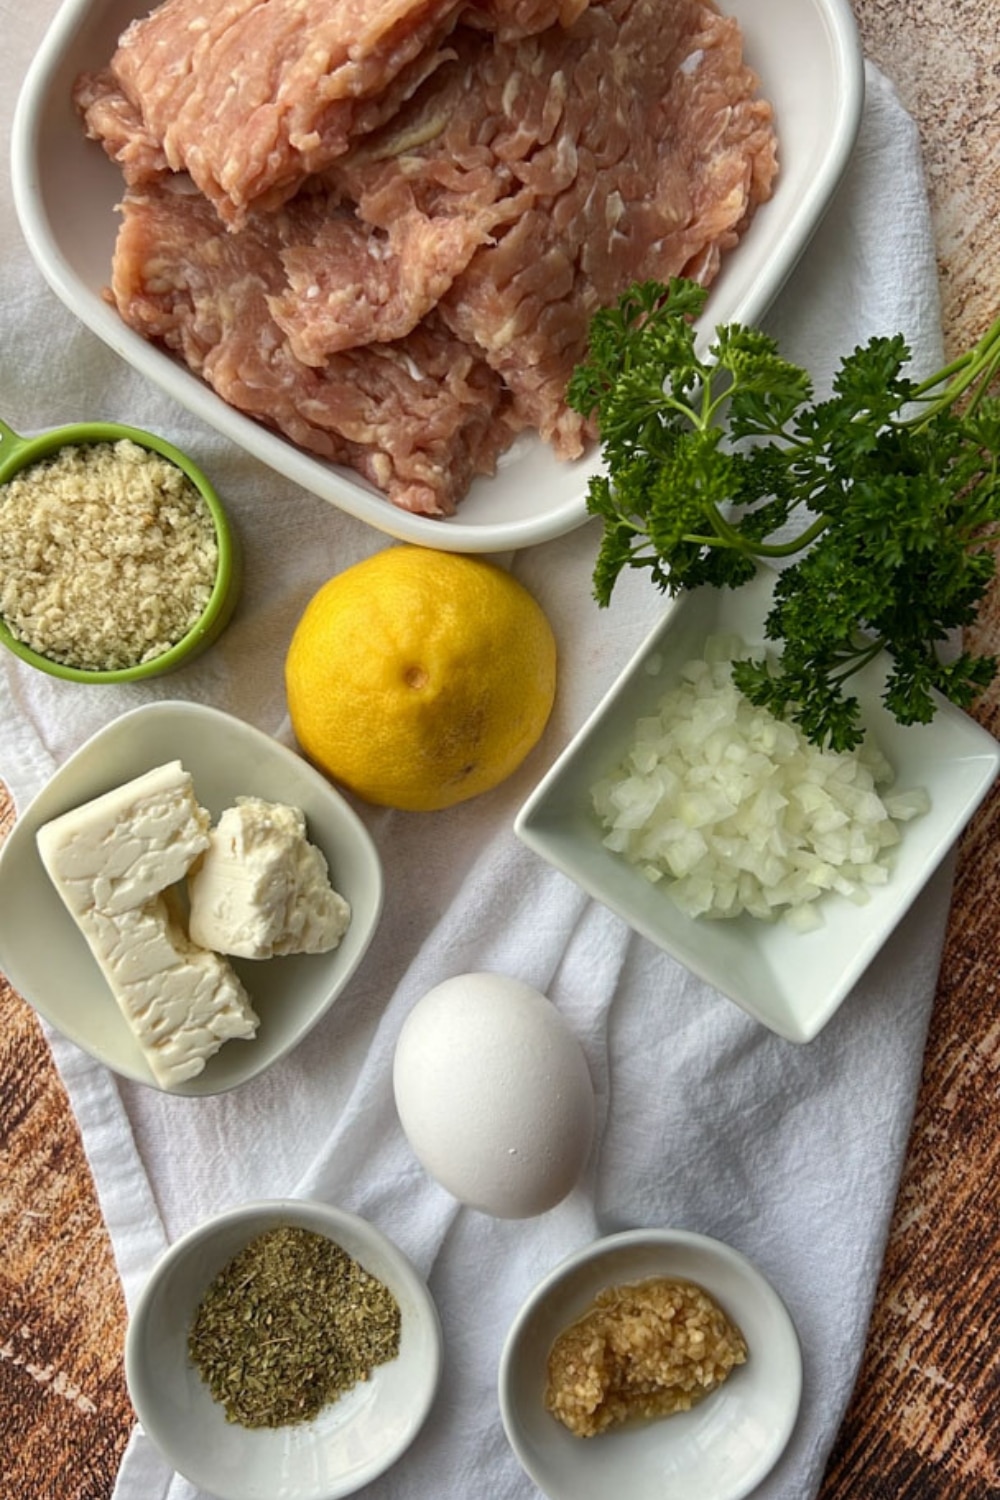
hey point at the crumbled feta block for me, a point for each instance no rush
(111, 860)
(121, 849)
(181, 1001)
(261, 889)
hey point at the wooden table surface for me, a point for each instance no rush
(922, 1424)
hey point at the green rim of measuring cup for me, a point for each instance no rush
(228, 576)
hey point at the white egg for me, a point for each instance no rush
(494, 1094)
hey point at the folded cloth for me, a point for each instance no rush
(705, 1120)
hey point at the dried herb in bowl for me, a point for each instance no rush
(288, 1326)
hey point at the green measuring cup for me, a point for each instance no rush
(19, 453)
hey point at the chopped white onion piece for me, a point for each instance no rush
(740, 813)
(906, 805)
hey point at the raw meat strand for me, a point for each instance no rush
(419, 418)
(654, 202)
(594, 175)
(252, 96)
(509, 19)
(111, 118)
(349, 285)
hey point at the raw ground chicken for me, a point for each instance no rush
(404, 282)
(252, 98)
(418, 417)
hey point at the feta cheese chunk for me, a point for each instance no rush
(122, 849)
(181, 1001)
(111, 862)
(262, 889)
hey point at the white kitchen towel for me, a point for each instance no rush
(706, 1120)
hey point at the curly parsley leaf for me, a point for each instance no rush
(886, 493)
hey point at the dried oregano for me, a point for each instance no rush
(289, 1325)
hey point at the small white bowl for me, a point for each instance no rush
(723, 1447)
(791, 982)
(47, 959)
(350, 1442)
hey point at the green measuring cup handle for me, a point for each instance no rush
(11, 442)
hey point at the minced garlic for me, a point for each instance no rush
(108, 555)
(643, 1350)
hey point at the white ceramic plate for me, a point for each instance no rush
(46, 957)
(346, 1445)
(791, 982)
(810, 64)
(723, 1447)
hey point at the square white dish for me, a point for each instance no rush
(792, 982)
(47, 959)
(808, 57)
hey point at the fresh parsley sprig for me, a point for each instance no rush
(886, 493)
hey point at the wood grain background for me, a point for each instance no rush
(923, 1421)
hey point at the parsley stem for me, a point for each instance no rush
(794, 544)
(977, 367)
(728, 536)
(860, 659)
(726, 533)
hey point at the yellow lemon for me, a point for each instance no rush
(420, 678)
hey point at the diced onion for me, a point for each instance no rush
(737, 812)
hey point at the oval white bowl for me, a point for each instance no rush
(808, 57)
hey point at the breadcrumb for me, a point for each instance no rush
(108, 555)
